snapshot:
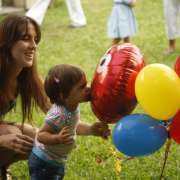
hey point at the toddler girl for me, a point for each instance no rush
(122, 22)
(66, 86)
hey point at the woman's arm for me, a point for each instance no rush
(45, 106)
(41, 98)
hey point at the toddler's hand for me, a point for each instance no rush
(65, 136)
(100, 129)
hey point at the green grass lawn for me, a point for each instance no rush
(94, 158)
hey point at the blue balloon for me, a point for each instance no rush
(138, 135)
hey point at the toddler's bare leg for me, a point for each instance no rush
(171, 48)
(126, 39)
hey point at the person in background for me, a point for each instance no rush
(172, 23)
(66, 86)
(76, 14)
(38, 10)
(122, 22)
(74, 7)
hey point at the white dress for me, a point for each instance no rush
(172, 18)
(122, 22)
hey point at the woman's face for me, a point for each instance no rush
(24, 50)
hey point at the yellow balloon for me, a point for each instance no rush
(157, 89)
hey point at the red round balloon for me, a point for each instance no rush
(174, 130)
(177, 66)
(113, 94)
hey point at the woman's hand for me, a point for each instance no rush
(19, 143)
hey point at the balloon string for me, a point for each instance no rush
(165, 156)
(127, 159)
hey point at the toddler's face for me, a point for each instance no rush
(80, 92)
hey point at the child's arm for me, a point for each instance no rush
(46, 136)
(96, 129)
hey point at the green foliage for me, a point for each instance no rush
(93, 159)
